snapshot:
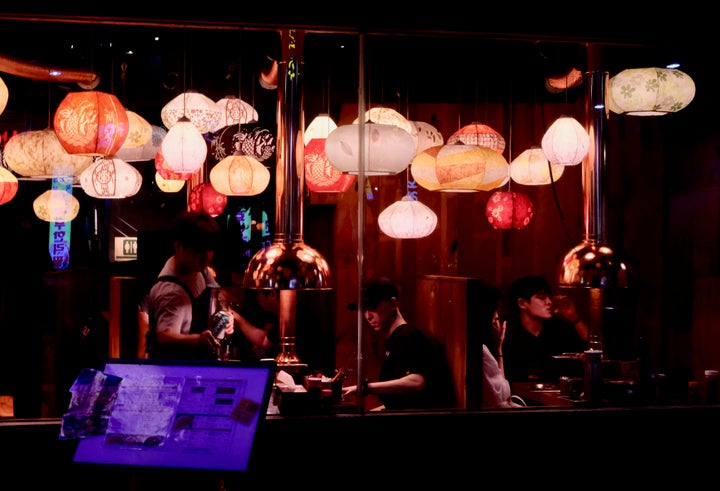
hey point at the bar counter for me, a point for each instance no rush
(561, 446)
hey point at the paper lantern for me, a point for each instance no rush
(40, 154)
(168, 185)
(239, 175)
(425, 136)
(508, 209)
(566, 142)
(91, 123)
(146, 151)
(202, 111)
(407, 219)
(139, 131)
(478, 134)
(388, 149)
(8, 185)
(4, 95)
(162, 167)
(234, 110)
(649, 91)
(532, 168)
(386, 115)
(56, 205)
(110, 178)
(460, 168)
(204, 197)
(320, 127)
(249, 139)
(184, 148)
(320, 175)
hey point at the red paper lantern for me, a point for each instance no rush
(91, 123)
(508, 209)
(8, 185)
(320, 175)
(204, 197)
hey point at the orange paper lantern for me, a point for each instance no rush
(239, 175)
(91, 123)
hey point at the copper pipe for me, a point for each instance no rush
(50, 74)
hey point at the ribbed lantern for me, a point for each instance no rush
(202, 111)
(649, 91)
(39, 154)
(532, 168)
(388, 149)
(460, 168)
(234, 110)
(8, 185)
(110, 178)
(56, 205)
(508, 209)
(566, 142)
(407, 219)
(91, 123)
(204, 197)
(478, 134)
(184, 148)
(239, 175)
(425, 136)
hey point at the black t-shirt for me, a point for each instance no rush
(408, 350)
(528, 357)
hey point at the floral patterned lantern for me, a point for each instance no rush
(234, 110)
(146, 151)
(460, 168)
(320, 175)
(649, 91)
(204, 197)
(8, 185)
(91, 123)
(139, 131)
(532, 168)
(110, 178)
(56, 205)
(198, 108)
(239, 175)
(250, 139)
(566, 142)
(508, 209)
(39, 153)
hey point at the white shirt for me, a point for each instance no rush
(495, 389)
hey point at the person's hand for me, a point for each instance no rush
(349, 390)
(230, 327)
(207, 339)
(499, 328)
(564, 308)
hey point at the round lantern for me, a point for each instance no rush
(234, 110)
(91, 123)
(320, 127)
(239, 175)
(168, 185)
(566, 142)
(198, 108)
(649, 91)
(166, 172)
(146, 151)
(8, 185)
(4, 94)
(320, 175)
(388, 149)
(407, 219)
(39, 153)
(110, 178)
(478, 134)
(532, 168)
(426, 136)
(508, 209)
(386, 115)
(184, 148)
(139, 131)
(204, 197)
(56, 205)
(460, 168)
(250, 139)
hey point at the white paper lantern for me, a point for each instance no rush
(531, 168)
(234, 110)
(566, 142)
(202, 111)
(649, 91)
(388, 149)
(110, 178)
(56, 205)
(184, 148)
(407, 219)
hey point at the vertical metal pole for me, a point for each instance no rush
(361, 216)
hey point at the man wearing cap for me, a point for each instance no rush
(410, 375)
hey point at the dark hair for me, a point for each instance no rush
(376, 290)
(196, 230)
(526, 287)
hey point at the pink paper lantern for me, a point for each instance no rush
(508, 209)
(204, 197)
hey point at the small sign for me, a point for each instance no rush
(125, 248)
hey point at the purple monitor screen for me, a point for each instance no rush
(193, 416)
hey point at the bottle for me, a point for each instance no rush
(712, 386)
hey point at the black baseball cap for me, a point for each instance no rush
(375, 291)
